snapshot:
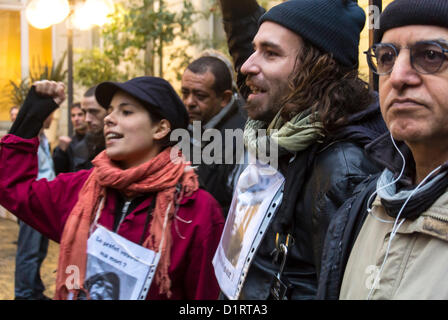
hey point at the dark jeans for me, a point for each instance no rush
(31, 251)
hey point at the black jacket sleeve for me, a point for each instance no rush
(340, 238)
(61, 161)
(241, 25)
(32, 115)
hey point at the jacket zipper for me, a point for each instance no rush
(437, 217)
(123, 214)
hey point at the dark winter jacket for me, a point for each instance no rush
(318, 181)
(71, 159)
(80, 155)
(340, 238)
(219, 178)
(337, 168)
(349, 218)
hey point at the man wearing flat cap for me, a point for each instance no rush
(401, 250)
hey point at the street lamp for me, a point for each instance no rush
(82, 15)
(42, 14)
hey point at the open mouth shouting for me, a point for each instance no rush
(112, 136)
(255, 91)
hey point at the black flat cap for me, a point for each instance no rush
(156, 94)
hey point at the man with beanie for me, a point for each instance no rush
(297, 68)
(401, 250)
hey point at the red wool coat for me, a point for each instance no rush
(46, 205)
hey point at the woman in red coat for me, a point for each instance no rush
(141, 196)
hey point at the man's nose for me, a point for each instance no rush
(109, 120)
(88, 118)
(250, 66)
(403, 74)
(190, 102)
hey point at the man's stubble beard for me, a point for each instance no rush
(95, 143)
(273, 107)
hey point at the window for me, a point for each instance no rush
(9, 58)
(39, 52)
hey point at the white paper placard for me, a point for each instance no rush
(256, 198)
(118, 269)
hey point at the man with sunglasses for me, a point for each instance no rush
(401, 249)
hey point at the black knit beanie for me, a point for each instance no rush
(333, 26)
(412, 12)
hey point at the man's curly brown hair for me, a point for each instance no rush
(328, 88)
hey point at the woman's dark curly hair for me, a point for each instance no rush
(327, 87)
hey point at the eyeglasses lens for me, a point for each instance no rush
(384, 58)
(427, 57)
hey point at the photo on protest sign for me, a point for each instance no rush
(255, 191)
(105, 282)
(118, 269)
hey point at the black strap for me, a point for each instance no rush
(151, 207)
(151, 210)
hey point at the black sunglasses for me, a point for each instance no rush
(427, 57)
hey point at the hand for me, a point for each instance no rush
(43, 98)
(64, 141)
(53, 89)
(234, 9)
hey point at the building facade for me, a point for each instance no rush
(23, 49)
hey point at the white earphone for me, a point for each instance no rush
(397, 224)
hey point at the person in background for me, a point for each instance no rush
(93, 142)
(211, 104)
(136, 192)
(13, 111)
(32, 246)
(67, 156)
